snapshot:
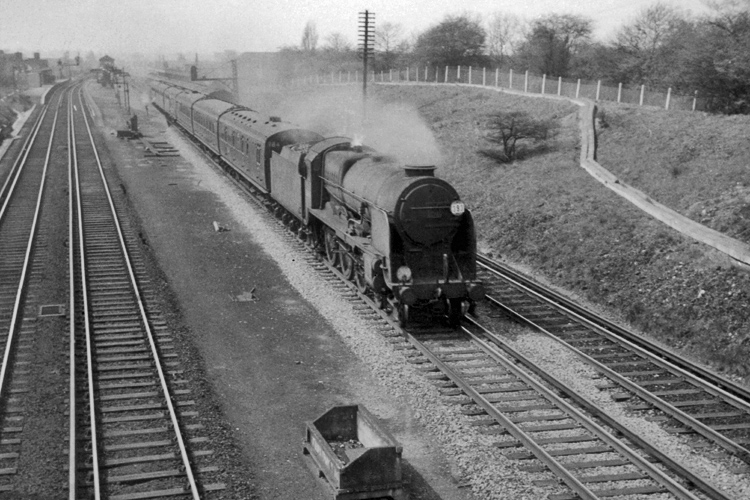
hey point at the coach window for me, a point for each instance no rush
(257, 154)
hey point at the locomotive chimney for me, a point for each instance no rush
(419, 170)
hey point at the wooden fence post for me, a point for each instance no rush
(598, 88)
(619, 92)
(458, 77)
(544, 82)
(669, 95)
(695, 99)
(559, 85)
(497, 77)
(510, 80)
(446, 74)
(526, 81)
(643, 91)
(578, 88)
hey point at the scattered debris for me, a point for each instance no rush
(219, 228)
(246, 296)
(159, 148)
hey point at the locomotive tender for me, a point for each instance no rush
(395, 230)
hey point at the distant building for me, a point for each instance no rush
(9, 65)
(24, 73)
(36, 63)
(38, 72)
(38, 78)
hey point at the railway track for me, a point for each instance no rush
(476, 370)
(22, 246)
(690, 398)
(133, 432)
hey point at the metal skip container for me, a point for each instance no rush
(353, 455)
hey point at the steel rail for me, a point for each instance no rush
(585, 421)
(663, 360)
(646, 395)
(609, 328)
(554, 465)
(144, 318)
(15, 170)
(86, 318)
(27, 256)
(704, 487)
(72, 320)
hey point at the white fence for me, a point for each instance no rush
(524, 81)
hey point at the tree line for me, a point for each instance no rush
(661, 47)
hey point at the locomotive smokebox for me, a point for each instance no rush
(418, 202)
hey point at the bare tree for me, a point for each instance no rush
(310, 37)
(336, 42)
(504, 32)
(388, 36)
(389, 44)
(642, 42)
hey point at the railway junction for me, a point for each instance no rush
(254, 336)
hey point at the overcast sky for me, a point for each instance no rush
(209, 26)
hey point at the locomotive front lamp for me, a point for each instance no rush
(458, 208)
(403, 274)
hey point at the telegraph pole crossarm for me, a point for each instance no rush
(367, 46)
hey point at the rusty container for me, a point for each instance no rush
(354, 455)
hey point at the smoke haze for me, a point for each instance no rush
(394, 129)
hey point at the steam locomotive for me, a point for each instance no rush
(395, 230)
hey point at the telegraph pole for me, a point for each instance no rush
(367, 46)
(235, 78)
(126, 90)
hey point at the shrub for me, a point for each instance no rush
(508, 129)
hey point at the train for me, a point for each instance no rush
(396, 231)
